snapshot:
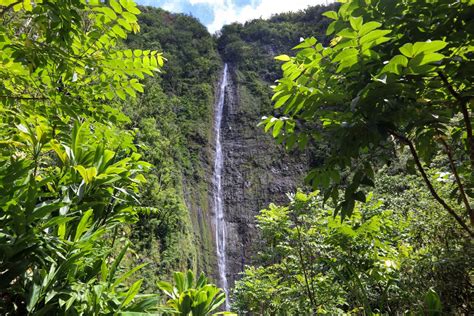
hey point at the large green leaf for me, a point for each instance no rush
(132, 292)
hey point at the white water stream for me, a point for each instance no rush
(218, 195)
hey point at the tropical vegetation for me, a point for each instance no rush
(105, 158)
(70, 169)
(393, 87)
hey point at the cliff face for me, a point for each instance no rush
(257, 171)
(175, 116)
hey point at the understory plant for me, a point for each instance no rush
(191, 296)
(385, 259)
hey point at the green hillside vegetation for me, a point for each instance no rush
(173, 118)
(253, 45)
(106, 129)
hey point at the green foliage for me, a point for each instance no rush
(335, 264)
(440, 251)
(383, 260)
(188, 46)
(173, 120)
(70, 174)
(392, 87)
(252, 45)
(386, 82)
(69, 69)
(192, 297)
(433, 304)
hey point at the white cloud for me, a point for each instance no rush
(210, 2)
(172, 6)
(225, 12)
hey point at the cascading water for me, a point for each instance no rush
(220, 224)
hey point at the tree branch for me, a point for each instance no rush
(428, 183)
(21, 98)
(303, 266)
(467, 205)
(465, 113)
(8, 8)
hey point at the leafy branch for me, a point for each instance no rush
(8, 7)
(463, 194)
(465, 113)
(428, 183)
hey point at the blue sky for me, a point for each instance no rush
(216, 13)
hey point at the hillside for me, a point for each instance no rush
(256, 170)
(316, 162)
(174, 119)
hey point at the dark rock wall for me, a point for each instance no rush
(257, 171)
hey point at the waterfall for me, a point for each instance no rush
(220, 225)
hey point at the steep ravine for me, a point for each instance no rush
(256, 172)
(175, 118)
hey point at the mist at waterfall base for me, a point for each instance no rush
(220, 225)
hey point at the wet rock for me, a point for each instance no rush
(256, 172)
